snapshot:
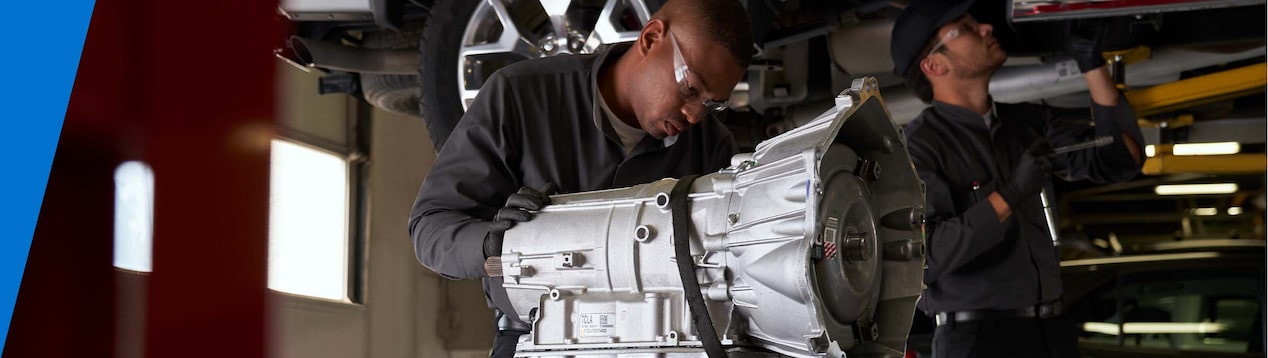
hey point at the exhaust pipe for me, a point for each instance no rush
(1034, 82)
(1028, 83)
(333, 56)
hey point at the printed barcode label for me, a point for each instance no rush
(598, 324)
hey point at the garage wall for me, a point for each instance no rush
(407, 310)
(398, 292)
(450, 316)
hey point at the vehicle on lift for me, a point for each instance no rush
(429, 58)
(1201, 298)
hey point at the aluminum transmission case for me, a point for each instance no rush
(811, 246)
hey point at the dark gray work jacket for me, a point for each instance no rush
(973, 260)
(538, 122)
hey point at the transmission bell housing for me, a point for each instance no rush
(812, 246)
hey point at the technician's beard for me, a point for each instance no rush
(981, 72)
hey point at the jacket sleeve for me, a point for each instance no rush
(469, 182)
(1107, 164)
(953, 239)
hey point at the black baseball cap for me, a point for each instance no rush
(919, 22)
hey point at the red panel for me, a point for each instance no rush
(186, 87)
(206, 69)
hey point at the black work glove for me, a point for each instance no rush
(516, 211)
(1030, 175)
(1087, 40)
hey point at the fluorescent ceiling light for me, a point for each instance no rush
(1195, 189)
(1154, 327)
(1150, 150)
(1235, 210)
(1205, 211)
(1218, 148)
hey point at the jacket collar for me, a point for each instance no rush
(605, 56)
(964, 116)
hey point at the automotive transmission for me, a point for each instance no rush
(811, 246)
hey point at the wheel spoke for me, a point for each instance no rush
(640, 10)
(606, 32)
(516, 46)
(556, 10)
(556, 7)
(504, 17)
(485, 49)
(468, 96)
(512, 39)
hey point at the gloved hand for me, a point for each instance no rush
(515, 211)
(1087, 39)
(1030, 175)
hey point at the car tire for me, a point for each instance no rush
(438, 102)
(393, 93)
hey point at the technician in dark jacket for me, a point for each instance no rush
(627, 115)
(993, 281)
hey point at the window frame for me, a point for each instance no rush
(356, 157)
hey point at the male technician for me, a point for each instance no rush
(993, 283)
(627, 115)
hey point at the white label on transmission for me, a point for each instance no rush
(598, 324)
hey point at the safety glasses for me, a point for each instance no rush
(942, 42)
(690, 94)
(966, 24)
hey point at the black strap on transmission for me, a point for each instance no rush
(680, 212)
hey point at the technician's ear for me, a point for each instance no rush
(653, 33)
(934, 66)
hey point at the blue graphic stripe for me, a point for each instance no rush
(33, 102)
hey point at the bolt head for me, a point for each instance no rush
(576, 43)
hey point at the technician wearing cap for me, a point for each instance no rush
(992, 282)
